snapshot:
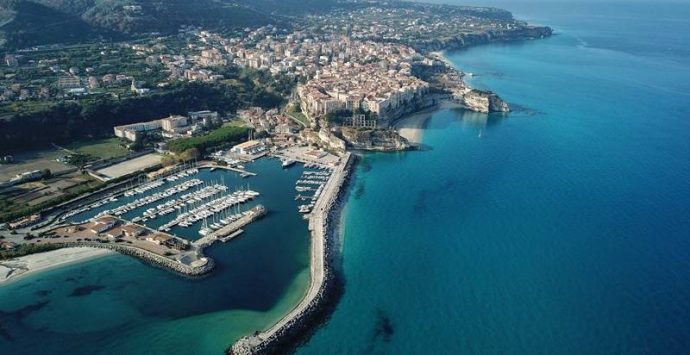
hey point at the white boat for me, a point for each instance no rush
(288, 163)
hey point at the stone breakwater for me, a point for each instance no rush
(323, 224)
(148, 257)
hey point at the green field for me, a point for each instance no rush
(107, 148)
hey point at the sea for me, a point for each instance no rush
(560, 228)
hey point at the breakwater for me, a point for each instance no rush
(148, 257)
(323, 224)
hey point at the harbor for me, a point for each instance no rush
(322, 228)
(174, 214)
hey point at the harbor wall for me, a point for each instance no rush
(148, 257)
(325, 282)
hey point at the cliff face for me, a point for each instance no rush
(374, 139)
(472, 39)
(484, 101)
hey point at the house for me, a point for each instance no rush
(133, 231)
(249, 148)
(103, 224)
(114, 233)
(158, 238)
(25, 222)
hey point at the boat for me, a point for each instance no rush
(288, 162)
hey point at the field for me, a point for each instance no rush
(106, 148)
(36, 160)
(130, 166)
(26, 198)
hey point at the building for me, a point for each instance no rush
(26, 176)
(103, 224)
(174, 123)
(25, 222)
(11, 60)
(134, 131)
(249, 148)
(133, 231)
(158, 238)
(203, 116)
(69, 82)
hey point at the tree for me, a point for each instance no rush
(189, 154)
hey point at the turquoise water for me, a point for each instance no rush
(119, 305)
(560, 229)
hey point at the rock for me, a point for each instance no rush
(484, 101)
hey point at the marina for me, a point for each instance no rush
(311, 181)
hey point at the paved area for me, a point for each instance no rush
(130, 166)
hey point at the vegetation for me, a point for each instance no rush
(223, 136)
(67, 121)
(26, 249)
(106, 148)
(299, 116)
(36, 22)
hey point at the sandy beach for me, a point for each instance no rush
(30, 264)
(412, 127)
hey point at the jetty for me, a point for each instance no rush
(230, 231)
(321, 273)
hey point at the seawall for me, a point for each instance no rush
(323, 287)
(148, 257)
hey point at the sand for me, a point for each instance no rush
(34, 263)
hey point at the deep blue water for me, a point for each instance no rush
(562, 228)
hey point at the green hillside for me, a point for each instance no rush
(26, 23)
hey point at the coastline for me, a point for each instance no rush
(411, 127)
(17, 268)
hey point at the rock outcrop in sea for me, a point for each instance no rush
(484, 101)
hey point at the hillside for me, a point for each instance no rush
(26, 23)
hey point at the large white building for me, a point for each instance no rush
(133, 131)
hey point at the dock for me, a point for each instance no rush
(230, 231)
(231, 236)
(230, 168)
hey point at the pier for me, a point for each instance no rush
(228, 232)
(319, 224)
(242, 172)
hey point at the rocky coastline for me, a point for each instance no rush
(473, 39)
(148, 257)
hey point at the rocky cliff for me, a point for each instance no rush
(484, 101)
(471, 39)
(374, 139)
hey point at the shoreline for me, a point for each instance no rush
(15, 269)
(412, 126)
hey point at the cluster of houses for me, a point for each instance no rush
(271, 121)
(343, 74)
(113, 229)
